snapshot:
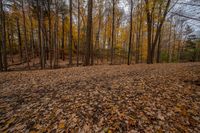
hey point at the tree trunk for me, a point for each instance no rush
(89, 33)
(56, 41)
(25, 36)
(152, 41)
(49, 38)
(39, 33)
(3, 38)
(70, 33)
(78, 44)
(130, 34)
(63, 38)
(97, 45)
(32, 37)
(1, 43)
(169, 44)
(149, 32)
(19, 40)
(159, 49)
(113, 32)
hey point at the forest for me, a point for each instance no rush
(58, 33)
(100, 66)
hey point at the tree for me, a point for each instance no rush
(39, 19)
(50, 30)
(113, 30)
(3, 38)
(70, 33)
(152, 41)
(89, 33)
(25, 35)
(131, 31)
(79, 26)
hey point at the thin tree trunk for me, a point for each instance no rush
(49, 38)
(113, 31)
(32, 38)
(70, 33)
(12, 43)
(130, 34)
(92, 47)
(169, 44)
(63, 38)
(39, 33)
(97, 45)
(159, 49)
(56, 38)
(10, 40)
(78, 44)
(25, 36)
(19, 40)
(1, 63)
(3, 38)
(138, 34)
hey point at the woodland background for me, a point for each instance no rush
(39, 34)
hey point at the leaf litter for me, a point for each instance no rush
(137, 98)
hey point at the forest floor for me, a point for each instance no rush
(136, 98)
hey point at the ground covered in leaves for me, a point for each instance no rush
(137, 98)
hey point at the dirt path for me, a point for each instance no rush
(138, 98)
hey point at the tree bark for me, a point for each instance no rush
(113, 32)
(25, 36)
(78, 44)
(19, 40)
(70, 33)
(130, 34)
(159, 49)
(63, 37)
(3, 38)
(89, 33)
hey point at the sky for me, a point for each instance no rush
(191, 11)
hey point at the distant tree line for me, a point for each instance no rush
(39, 34)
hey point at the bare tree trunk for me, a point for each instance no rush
(63, 37)
(130, 34)
(78, 44)
(1, 63)
(141, 47)
(89, 33)
(105, 40)
(92, 47)
(39, 33)
(10, 40)
(25, 36)
(152, 46)
(174, 46)
(70, 33)
(3, 38)
(169, 45)
(1, 43)
(19, 40)
(138, 38)
(159, 49)
(32, 37)
(56, 37)
(49, 38)
(113, 31)
(149, 32)
(97, 45)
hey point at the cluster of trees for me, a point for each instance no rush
(48, 33)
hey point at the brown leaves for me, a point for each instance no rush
(141, 98)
